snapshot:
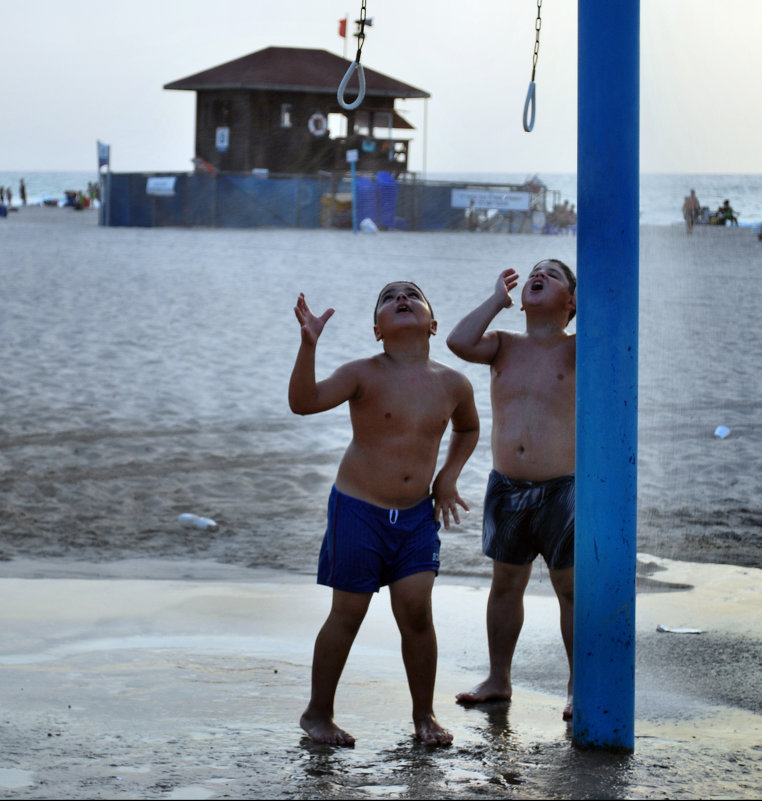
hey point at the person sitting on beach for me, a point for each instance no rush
(726, 214)
(384, 511)
(529, 502)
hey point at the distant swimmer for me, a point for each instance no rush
(691, 210)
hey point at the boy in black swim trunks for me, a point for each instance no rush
(529, 504)
(384, 509)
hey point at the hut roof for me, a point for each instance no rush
(293, 69)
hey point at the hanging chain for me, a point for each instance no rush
(530, 102)
(537, 26)
(355, 65)
(361, 33)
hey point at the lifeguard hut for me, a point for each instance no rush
(274, 110)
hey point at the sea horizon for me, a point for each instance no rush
(661, 194)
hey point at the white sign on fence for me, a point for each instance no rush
(160, 185)
(489, 199)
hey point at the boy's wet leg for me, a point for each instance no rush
(411, 605)
(563, 583)
(332, 647)
(505, 618)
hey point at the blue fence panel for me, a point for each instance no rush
(310, 192)
(141, 208)
(386, 191)
(199, 195)
(170, 209)
(231, 200)
(118, 199)
(436, 213)
(245, 202)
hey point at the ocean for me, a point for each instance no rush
(661, 195)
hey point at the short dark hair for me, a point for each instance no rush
(411, 283)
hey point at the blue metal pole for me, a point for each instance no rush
(607, 374)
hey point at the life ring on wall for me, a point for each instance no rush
(318, 124)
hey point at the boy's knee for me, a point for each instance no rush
(415, 619)
(563, 583)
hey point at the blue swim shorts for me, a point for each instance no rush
(525, 518)
(366, 547)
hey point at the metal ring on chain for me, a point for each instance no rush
(355, 65)
(529, 103)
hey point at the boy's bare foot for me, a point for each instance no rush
(323, 730)
(488, 690)
(569, 708)
(431, 733)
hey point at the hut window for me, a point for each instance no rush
(285, 115)
(337, 123)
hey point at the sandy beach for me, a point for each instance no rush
(144, 376)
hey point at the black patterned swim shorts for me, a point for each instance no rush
(525, 518)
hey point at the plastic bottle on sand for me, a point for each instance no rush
(194, 521)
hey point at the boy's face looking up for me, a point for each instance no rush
(402, 301)
(549, 277)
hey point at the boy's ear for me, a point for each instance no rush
(379, 336)
(433, 328)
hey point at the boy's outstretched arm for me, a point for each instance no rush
(468, 339)
(463, 438)
(305, 394)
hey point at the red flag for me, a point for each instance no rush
(343, 28)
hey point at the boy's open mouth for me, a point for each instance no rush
(403, 307)
(537, 284)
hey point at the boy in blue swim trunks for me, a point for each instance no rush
(384, 510)
(529, 503)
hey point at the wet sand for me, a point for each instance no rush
(115, 686)
(145, 376)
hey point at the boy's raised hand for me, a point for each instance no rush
(312, 326)
(507, 281)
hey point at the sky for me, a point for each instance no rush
(80, 71)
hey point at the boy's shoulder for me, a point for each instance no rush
(363, 364)
(455, 377)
